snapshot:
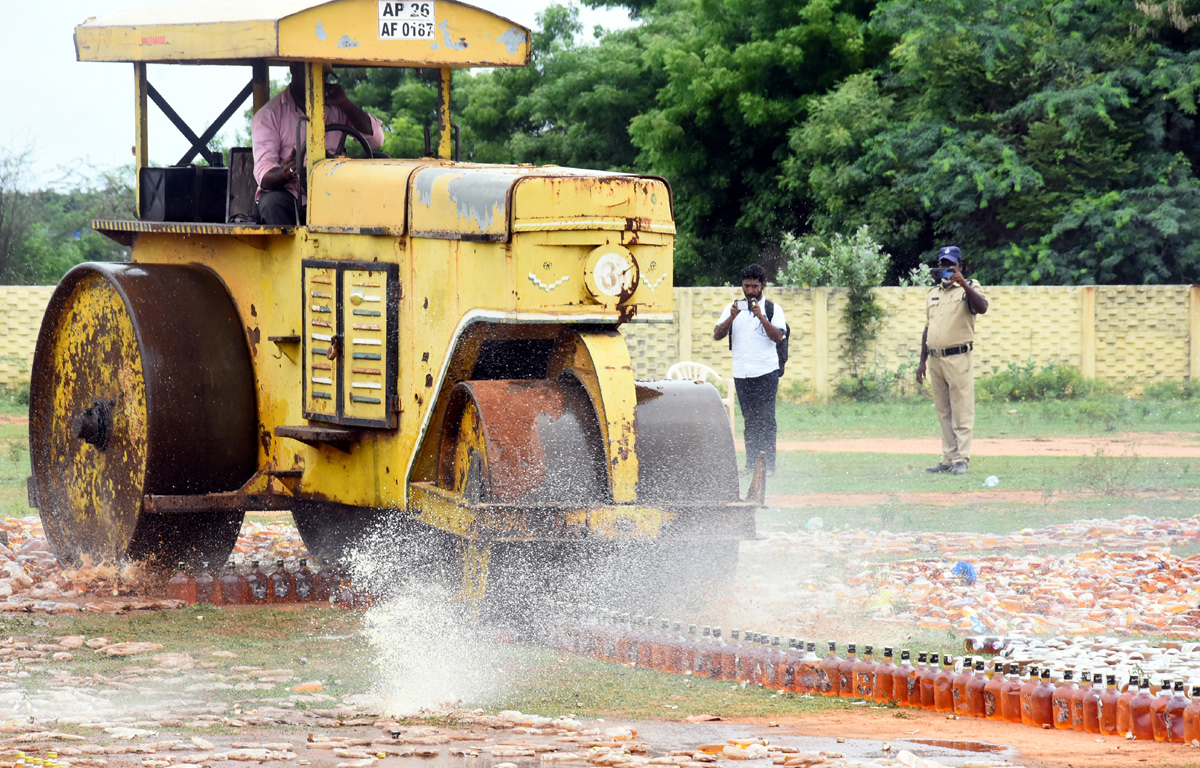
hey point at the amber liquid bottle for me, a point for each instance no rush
(324, 582)
(1091, 704)
(958, 688)
(304, 585)
(675, 649)
(638, 649)
(1010, 694)
(749, 658)
(914, 682)
(687, 652)
(283, 587)
(943, 686)
(846, 672)
(1063, 696)
(929, 682)
(900, 678)
(702, 661)
(792, 663)
(658, 648)
(207, 588)
(993, 707)
(810, 679)
(1124, 721)
(828, 680)
(883, 678)
(1191, 718)
(1174, 714)
(233, 586)
(716, 656)
(257, 584)
(1140, 720)
(1108, 706)
(976, 702)
(1042, 702)
(864, 674)
(773, 670)
(729, 656)
(1158, 711)
(1085, 684)
(182, 586)
(1027, 696)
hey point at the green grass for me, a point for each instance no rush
(802, 472)
(1054, 418)
(550, 683)
(981, 516)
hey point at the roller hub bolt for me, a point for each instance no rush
(94, 425)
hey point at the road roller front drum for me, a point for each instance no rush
(141, 384)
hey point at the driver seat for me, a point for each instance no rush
(239, 201)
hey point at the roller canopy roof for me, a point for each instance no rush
(405, 33)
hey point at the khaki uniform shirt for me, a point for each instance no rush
(949, 317)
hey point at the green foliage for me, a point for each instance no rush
(738, 75)
(857, 264)
(797, 391)
(1053, 140)
(45, 233)
(1172, 390)
(879, 384)
(1020, 382)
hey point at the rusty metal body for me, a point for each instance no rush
(435, 357)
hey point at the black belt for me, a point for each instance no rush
(948, 351)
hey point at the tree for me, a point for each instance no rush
(46, 232)
(15, 205)
(739, 75)
(1053, 140)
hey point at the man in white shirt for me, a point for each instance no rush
(757, 328)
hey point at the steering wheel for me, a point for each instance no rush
(302, 147)
(352, 132)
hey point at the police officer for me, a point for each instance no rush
(946, 347)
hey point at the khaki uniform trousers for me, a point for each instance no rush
(952, 380)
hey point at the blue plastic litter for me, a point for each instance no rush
(965, 571)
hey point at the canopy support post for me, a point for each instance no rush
(141, 145)
(445, 143)
(314, 96)
(261, 78)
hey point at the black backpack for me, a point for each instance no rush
(782, 347)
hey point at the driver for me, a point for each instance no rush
(273, 134)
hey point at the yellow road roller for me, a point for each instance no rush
(433, 357)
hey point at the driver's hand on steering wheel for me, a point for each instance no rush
(289, 167)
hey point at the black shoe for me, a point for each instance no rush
(959, 468)
(939, 467)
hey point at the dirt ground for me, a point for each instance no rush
(1183, 445)
(948, 498)
(1037, 748)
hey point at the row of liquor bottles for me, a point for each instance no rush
(1093, 703)
(328, 584)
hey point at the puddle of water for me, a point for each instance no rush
(662, 737)
(964, 746)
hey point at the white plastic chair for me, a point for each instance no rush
(689, 371)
